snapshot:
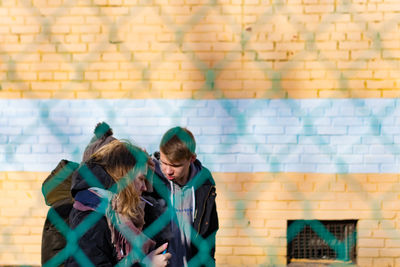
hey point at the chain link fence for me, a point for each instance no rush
(206, 50)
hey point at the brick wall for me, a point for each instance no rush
(256, 207)
(202, 49)
(253, 210)
(273, 160)
(22, 213)
(233, 135)
(325, 148)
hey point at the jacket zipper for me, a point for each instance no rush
(201, 218)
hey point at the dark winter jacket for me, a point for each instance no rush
(95, 243)
(57, 195)
(205, 218)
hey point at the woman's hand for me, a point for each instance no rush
(157, 258)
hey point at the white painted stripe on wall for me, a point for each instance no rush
(315, 135)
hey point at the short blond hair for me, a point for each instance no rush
(177, 144)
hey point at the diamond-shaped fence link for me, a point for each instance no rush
(295, 44)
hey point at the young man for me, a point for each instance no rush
(190, 196)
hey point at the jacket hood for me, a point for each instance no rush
(200, 175)
(90, 175)
(57, 186)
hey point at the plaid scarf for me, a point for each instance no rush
(123, 231)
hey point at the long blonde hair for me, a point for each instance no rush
(124, 161)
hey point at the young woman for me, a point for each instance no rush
(107, 217)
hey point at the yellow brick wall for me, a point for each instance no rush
(204, 50)
(22, 213)
(199, 49)
(253, 210)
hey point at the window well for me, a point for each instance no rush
(321, 241)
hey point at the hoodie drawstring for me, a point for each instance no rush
(194, 204)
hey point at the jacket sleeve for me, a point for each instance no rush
(208, 225)
(95, 243)
(214, 225)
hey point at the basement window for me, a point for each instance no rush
(319, 242)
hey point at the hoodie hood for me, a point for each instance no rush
(90, 175)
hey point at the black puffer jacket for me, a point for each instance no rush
(95, 243)
(206, 217)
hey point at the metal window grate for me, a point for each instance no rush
(322, 240)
